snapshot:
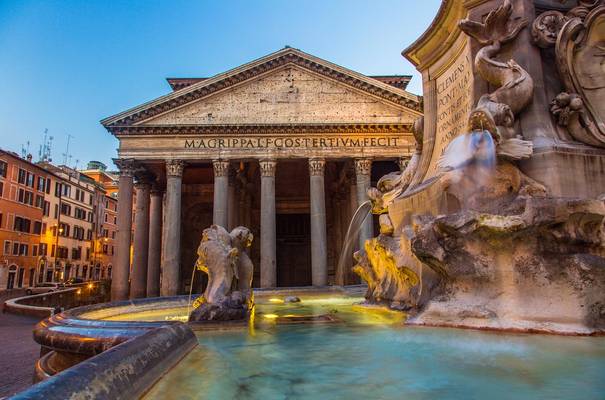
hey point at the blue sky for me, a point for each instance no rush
(65, 65)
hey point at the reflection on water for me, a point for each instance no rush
(371, 355)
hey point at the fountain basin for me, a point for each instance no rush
(327, 346)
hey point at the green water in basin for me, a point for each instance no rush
(369, 354)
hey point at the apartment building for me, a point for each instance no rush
(106, 214)
(56, 223)
(24, 187)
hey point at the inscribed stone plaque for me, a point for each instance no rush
(454, 102)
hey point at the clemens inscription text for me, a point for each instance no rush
(454, 102)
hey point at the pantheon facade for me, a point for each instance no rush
(286, 145)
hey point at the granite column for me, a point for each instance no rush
(138, 283)
(268, 263)
(155, 242)
(221, 183)
(363, 170)
(121, 270)
(319, 250)
(171, 265)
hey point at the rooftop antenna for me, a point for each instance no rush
(44, 153)
(67, 155)
(76, 165)
(25, 150)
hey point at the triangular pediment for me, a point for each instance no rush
(286, 87)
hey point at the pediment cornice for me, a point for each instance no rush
(257, 129)
(249, 71)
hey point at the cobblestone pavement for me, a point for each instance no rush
(18, 353)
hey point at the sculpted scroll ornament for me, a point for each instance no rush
(580, 53)
(579, 41)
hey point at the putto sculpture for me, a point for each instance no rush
(224, 257)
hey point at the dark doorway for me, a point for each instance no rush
(20, 279)
(293, 250)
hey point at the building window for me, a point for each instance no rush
(76, 253)
(22, 176)
(64, 229)
(57, 189)
(52, 251)
(87, 254)
(43, 250)
(1, 188)
(3, 169)
(80, 213)
(41, 186)
(66, 209)
(22, 225)
(37, 227)
(47, 186)
(34, 250)
(7, 248)
(30, 180)
(78, 233)
(39, 201)
(89, 235)
(46, 208)
(15, 248)
(23, 249)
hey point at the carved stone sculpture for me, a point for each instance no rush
(536, 265)
(393, 278)
(224, 257)
(579, 41)
(515, 87)
(394, 184)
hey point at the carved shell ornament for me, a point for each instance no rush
(579, 41)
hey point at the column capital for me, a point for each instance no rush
(267, 167)
(363, 166)
(317, 166)
(403, 163)
(175, 167)
(221, 167)
(127, 166)
(143, 178)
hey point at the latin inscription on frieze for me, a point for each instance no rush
(454, 102)
(293, 142)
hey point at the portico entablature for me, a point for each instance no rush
(329, 142)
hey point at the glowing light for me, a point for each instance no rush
(90, 285)
(275, 300)
(271, 316)
(79, 291)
